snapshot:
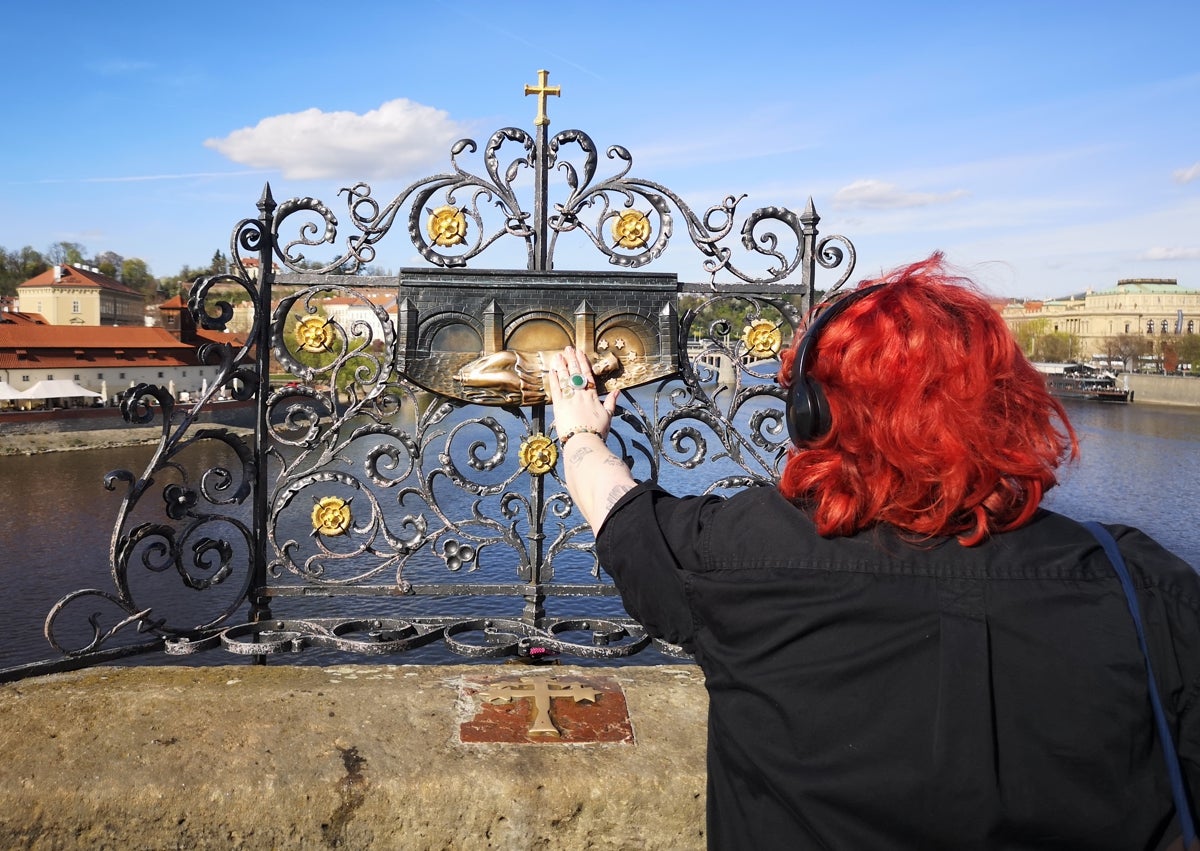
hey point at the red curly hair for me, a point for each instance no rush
(941, 426)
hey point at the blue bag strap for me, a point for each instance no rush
(1182, 806)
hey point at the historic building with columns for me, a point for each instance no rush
(1152, 308)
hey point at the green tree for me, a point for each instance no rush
(1186, 348)
(730, 311)
(1057, 347)
(17, 267)
(182, 280)
(1027, 333)
(109, 263)
(1127, 348)
(71, 253)
(135, 273)
(219, 264)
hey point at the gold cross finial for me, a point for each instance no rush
(541, 90)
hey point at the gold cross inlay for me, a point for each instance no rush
(542, 90)
(540, 690)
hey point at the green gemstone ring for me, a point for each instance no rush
(577, 380)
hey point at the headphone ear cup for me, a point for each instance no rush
(807, 411)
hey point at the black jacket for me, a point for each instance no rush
(868, 693)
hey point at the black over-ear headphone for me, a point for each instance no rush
(807, 408)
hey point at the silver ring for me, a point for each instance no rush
(578, 380)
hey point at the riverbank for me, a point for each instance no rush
(35, 432)
(35, 444)
(104, 438)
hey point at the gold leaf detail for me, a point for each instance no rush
(314, 334)
(538, 454)
(762, 339)
(447, 226)
(631, 229)
(331, 516)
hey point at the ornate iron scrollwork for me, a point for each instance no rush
(399, 453)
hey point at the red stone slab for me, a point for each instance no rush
(582, 709)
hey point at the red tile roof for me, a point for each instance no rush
(77, 276)
(17, 317)
(62, 346)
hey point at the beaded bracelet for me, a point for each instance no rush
(562, 441)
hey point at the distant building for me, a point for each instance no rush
(1153, 308)
(104, 359)
(80, 295)
(349, 312)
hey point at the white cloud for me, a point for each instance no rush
(1186, 175)
(392, 141)
(878, 195)
(1162, 253)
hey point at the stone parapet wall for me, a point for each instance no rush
(1163, 389)
(353, 757)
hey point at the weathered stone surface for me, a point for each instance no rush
(342, 757)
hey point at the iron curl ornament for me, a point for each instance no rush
(453, 217)
(399, 470)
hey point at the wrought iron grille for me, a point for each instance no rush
(400, 487)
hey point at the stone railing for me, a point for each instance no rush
(379, 757)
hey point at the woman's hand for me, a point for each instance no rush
(572, 388)
(595, 477)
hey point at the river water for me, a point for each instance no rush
(1140, 465)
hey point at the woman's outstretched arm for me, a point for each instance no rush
(596, 478)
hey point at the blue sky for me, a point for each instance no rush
(1046, 147)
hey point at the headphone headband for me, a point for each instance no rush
(807, 408)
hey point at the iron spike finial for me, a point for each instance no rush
(809, 217)
(266, 203)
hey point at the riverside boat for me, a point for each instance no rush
(1080, 381)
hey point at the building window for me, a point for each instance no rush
(160, 375)
(184, 373)
(1191, 326)
(76, 377)
(25, 378)
(1126, 327)
(120, 375)
(1149, 326)
(1164, 326)
(75, 307)
(49, 377)
(99, 374)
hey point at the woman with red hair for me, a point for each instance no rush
(901, 648)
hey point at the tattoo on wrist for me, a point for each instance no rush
(579, 454)
(615, 494)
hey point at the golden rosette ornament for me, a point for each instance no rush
(631, 229)
(538, 454)
(331, 516)
(314, 334)
(762, 339)
(447, 226)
